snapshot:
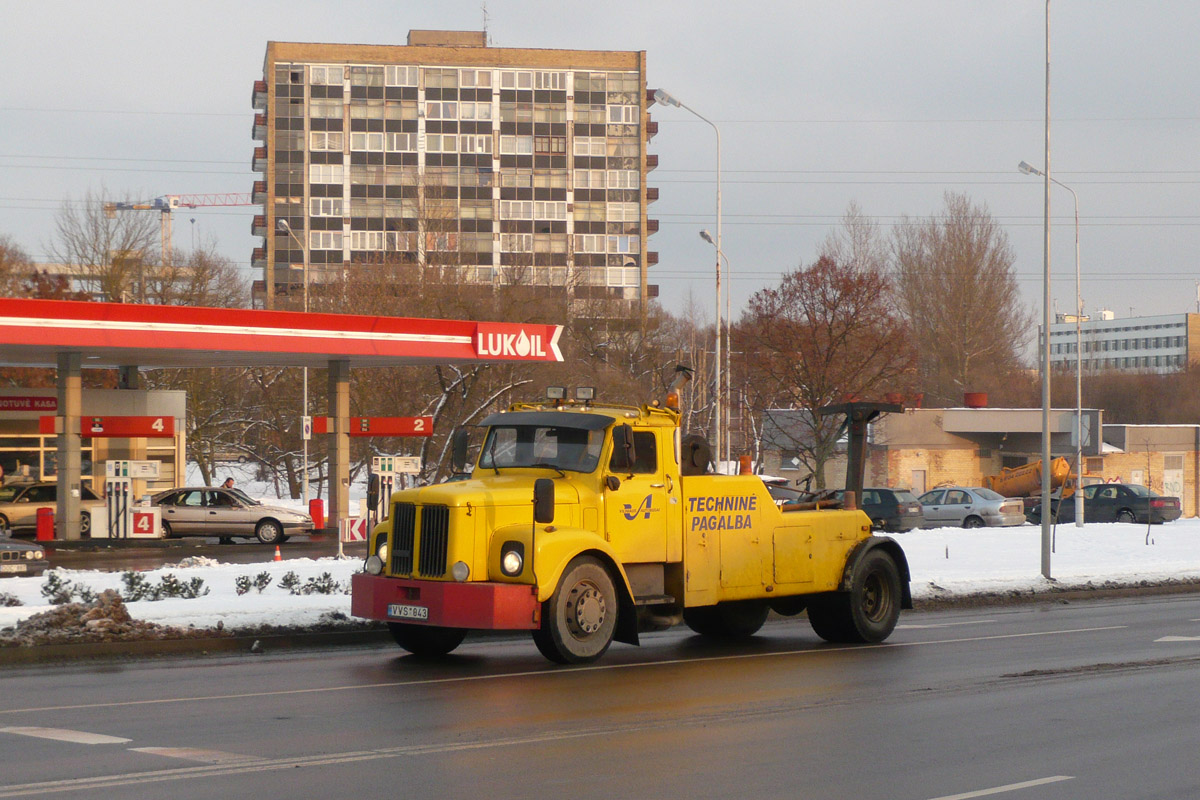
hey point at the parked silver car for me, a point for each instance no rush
(970, 507)
(215, 511)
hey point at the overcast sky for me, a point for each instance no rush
(884, 103)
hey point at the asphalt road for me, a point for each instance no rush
(1080, 700)
(139, 555)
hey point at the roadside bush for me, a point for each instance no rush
(59, 591)
(9, 600)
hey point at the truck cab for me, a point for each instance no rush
(586, 523)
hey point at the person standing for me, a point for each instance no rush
(228, 484)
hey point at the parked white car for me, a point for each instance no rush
(970, 507)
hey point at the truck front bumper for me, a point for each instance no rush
(445, 604)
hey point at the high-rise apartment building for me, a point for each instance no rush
(500, 165)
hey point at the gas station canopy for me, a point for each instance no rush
(36, 332)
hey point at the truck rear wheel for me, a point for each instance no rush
(580, 618)
(425, 641)
(868, 612)
(727, 621)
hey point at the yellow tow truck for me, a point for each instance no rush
(585, 523)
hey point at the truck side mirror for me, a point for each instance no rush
(624, 456)
(543, 501)
(458, 450)
(372, 492)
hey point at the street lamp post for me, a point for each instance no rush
(727, 399)
(665, 99)
(283, 226)
(1032, 170)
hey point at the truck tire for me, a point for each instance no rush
(727, 621)
(424, 641)
(868, 612)
(580, 618)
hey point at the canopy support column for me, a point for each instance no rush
(68, 468)
(339, 444)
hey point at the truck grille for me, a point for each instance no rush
(404, 518)
(430, 549)
(435, 540)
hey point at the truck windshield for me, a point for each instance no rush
(553, 447)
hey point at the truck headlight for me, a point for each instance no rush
(512, 558)
(374, 565)
(460, 571)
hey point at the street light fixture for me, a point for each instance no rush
(1029, 169)
(663, 98)
(283, 227)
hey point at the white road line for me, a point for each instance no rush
(1178, 639)
(1012, 787)
(63, 735)
(197, 754)
(551, 673)
(943, 625)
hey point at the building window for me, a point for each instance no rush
(623, 179)
(516, 79)
(441, 110)
(366, 240)
(589, 145)
(516, 209)
(441, 143)
(441, 78)
(366, 141)
(325, 240)
(590, 243)
(481, 144)
(327, 141)
(366, 76)
(325, 109)
(325, 76)
(624, 244)
(325, 207)
(589, 179)
(623, 115)
(550, 145)
(475, 78)
(623, 276)
(550, 80)
(326, 173)
(366, 109)
(516, 145)
(401, 142)
(444, 241)
(401, 75)
(480, 111)
(549, 210)
(516, 242)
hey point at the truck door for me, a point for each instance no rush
(638, 514)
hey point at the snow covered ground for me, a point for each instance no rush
(945, 563)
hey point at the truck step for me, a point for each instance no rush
(653, 600)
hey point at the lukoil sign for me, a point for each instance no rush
(527, 342)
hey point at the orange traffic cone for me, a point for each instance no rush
(278, 556)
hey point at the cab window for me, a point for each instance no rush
(645, 446)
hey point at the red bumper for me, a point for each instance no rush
(481, 606)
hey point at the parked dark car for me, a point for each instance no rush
(20, 558)
(216, 511)
(892, 510)
(1116, 502)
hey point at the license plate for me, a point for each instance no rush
(12, 567)
(408, 612)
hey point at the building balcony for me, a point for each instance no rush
(651, 194)
(651, 161)
(651, 226)
(259, 163)
(651, 130)
(258, 195)
(258, 98)
(258, 225)
(258, 258)
(259, 131)
(651, 257)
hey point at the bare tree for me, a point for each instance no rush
(114, 252)
(16, 268)
(828, 332)
(957, 289)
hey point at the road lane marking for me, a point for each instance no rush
(553, 672)
(64, 735)
(942, 625)
(1178, 639)
(1012, 787)
(197, 754)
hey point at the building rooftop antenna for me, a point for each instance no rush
(487, 39)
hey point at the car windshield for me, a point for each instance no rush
(987, 494)
(552, 446)
(905, 497)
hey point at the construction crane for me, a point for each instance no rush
(169, 202)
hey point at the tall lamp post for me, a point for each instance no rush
(283, 227)
(665, 99)
(728, 398)
(1028, 169)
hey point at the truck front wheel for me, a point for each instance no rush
(729, 621)
(579, 619)
(868, 612)
(425, 641)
